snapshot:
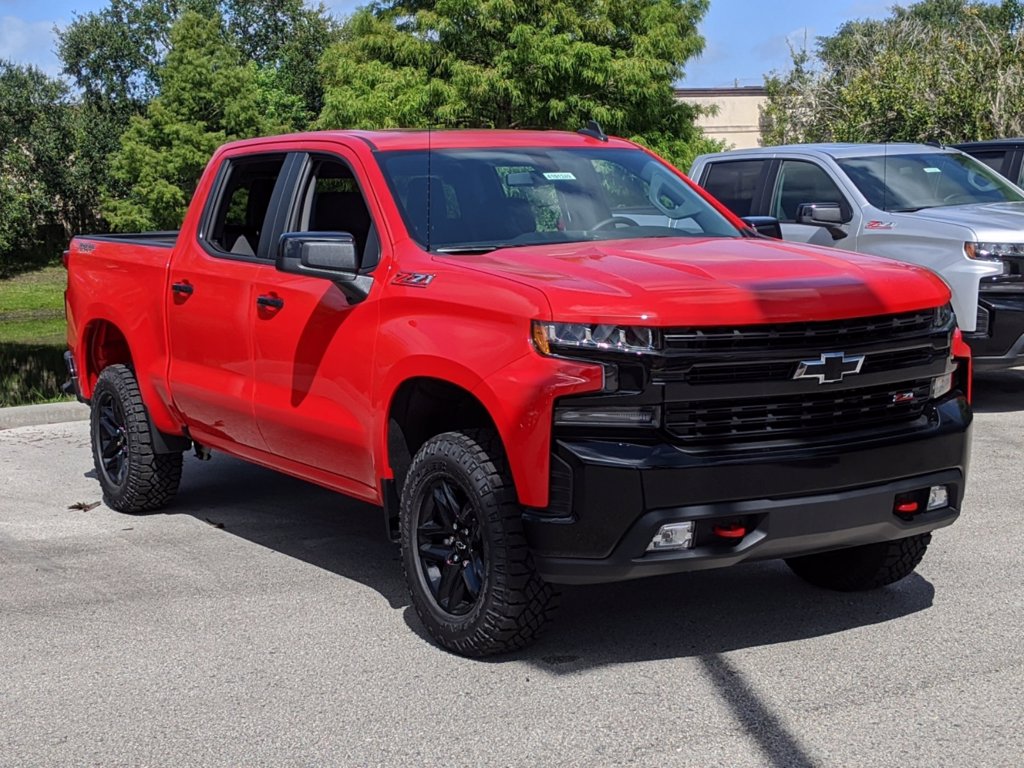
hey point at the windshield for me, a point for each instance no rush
(475, 200)
(927, 180)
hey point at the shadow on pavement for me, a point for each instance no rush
(707, 613)
(999, 391)
(312, 524)
(700, 614)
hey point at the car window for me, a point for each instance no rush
(910, 182)
(464, 200)
(993, 158)
(332, 201)
(235, 226)
(734, 183)
(802, 182)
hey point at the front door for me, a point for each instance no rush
(312, 349)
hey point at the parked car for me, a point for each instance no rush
(922, 204)
(1004, 156)
(548, 357)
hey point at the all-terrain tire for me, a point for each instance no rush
(865, 567)
(467, 565)
(133, 476)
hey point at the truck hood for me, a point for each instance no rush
(712, 281)
(989, 221)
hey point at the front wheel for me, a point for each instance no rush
(133, 476)
(468, 568)
(865, 567)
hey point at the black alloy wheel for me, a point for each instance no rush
(111, 437)
(467, 565)
(450, 548)
(134, 476)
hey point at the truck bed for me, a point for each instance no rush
(156, 239)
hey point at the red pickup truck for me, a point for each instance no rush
(547, 356)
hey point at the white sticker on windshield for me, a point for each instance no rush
(559, 176)
(932, 170)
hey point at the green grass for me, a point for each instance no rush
(32, 337)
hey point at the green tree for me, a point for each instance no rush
(937, 70)
(37, 181)
(518, 64)
(207, 96)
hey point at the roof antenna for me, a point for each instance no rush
(593, 129)
(429, 182)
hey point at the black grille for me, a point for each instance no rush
(832, 334)
(783, 370)
(818, 413)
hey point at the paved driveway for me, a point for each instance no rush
(262, 621)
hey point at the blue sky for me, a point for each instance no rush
(744, 40)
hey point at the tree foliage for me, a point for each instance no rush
(937, 70)
(517, 64)
(207, 96)
(38, 189)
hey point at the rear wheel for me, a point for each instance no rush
(133, 476)
(468, 568)
(860, 568)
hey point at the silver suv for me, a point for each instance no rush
(923, 204)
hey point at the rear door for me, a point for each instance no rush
(212, 302)
(312, 348)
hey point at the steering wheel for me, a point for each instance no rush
(613, 221)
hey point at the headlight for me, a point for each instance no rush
(554, 337)
(994, 252)
(942, 317)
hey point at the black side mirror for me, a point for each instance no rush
(765, 225)
(827, 215)
(329, 255)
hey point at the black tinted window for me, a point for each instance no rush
(237, 222)
(735, 183)
(993, 158)
(462, 200)
(801, 182)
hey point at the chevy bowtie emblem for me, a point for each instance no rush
(830, 367)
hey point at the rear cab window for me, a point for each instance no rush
(233, 223)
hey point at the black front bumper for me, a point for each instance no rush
(999, 342)
(610, 498)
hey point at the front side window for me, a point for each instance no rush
(236, 224)
(910, 182)
(802, 182)
(480, 199)
(331, 201)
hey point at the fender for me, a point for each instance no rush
(520, 398)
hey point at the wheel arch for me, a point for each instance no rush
(104, 343)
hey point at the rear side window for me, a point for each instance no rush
(802, 182)
(993, 158)
(235, 225)
(735, 183)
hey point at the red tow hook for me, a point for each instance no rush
(733, 531)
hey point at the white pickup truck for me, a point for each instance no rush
(923, 204)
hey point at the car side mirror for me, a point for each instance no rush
(768, 226)
(827, 215)
(329, 255)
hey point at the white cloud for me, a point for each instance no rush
(29, 42)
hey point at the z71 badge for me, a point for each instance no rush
(415, 279)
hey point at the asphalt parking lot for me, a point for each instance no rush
(263, 621)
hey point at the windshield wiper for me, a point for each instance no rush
(909, 210)
(473, 249)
